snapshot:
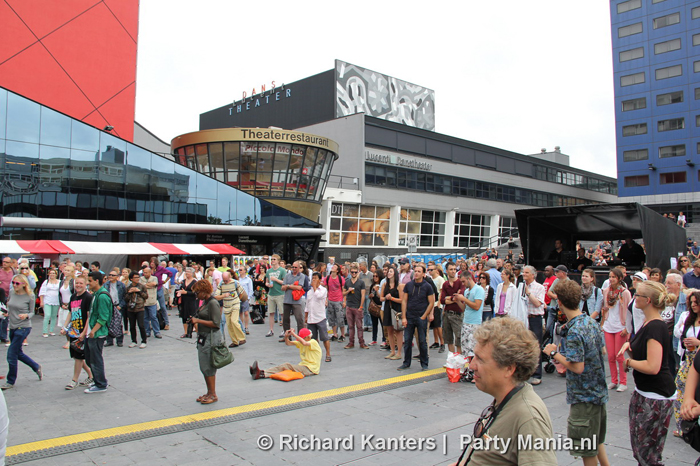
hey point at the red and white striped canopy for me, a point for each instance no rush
(55, 247)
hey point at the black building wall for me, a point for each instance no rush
(302, 103)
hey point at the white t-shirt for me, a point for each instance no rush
(612, 323)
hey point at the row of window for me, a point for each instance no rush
(664, 178)
(657, 23)
(660, 73)
(668, 98)
(659, 48)
(635, 155)
(629, 5)
(380, 175)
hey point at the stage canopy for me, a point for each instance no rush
(539, 228)
(54, 247)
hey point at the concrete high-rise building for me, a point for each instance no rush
(656, 57)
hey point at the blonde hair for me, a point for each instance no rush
(512, 343)
(22, 278)
(659, 297)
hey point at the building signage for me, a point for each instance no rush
(390, 159)
(247, 239)
(285, 136)
(255, 101)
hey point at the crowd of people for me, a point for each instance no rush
(646, 322)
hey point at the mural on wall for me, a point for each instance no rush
(381, 96)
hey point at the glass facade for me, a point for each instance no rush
(53, 166)
(359, 225)
(404, 178)
(267, 169)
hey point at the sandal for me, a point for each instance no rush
(209, 399)
(199, 400)
(328, 359)
(677, 434)
(396, 357)
(390, 356)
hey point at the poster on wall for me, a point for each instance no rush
(355, 225)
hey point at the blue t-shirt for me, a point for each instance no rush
(584, 343)
(472, 316)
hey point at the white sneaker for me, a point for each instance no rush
(142, 345)
(132, 345)
(622, 388)
(612, 386)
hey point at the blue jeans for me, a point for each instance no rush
(163, 310)
(367, 318)
(413, 323)
(151, 319)
(95, 361)
(3, 330)
(15, 353)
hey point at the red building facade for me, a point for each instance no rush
(76, 56)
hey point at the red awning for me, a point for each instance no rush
(41, 246)
(169, 248)
(223, 249)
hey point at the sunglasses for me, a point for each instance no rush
(24, 268)
(17, 283)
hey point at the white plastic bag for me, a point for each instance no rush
(456, 361)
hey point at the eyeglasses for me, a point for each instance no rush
(642, 296)
(17, 283)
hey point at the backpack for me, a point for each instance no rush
(341, 280)
(115, 326)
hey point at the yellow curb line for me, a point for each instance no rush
(151, 425)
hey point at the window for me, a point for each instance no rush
(634, 181)
(667, 46)
(428, 224)
(634, 130)
(641, 102)
(657, 1)
(697, 93)
(671, 125)
(633, 54)
(672, 178)
(697, 120)
(663, 21)
(696, 39)
(669, 98)
(625, 31)
(506, 227)
(628, 5)
(635, 155)
(696, 66)
(471, 229)
(632, 79)
(672, 151)
(359, 225)
(669, 72)
(695, 12)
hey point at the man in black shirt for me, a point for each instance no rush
(631, 253)
(554, 257)
(582, 262)
(418, 302)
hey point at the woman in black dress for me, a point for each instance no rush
(391, 295)
(188, 299)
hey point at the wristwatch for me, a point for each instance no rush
(553, 353)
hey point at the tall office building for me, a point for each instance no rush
(656, 56)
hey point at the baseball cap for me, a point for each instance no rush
(305, 332)
(404, 261)
(561, 268)
(517, 266)
(640, 276)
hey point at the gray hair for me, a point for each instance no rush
(491, 263)
(190, 270)
(675, 278)
(531, 269)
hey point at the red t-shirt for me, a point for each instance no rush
(335, 290)
(547, 283)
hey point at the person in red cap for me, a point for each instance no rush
(309, 352)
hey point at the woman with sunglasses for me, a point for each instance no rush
(652, 400)
(392, 295)
(684, 265)
(687, 330)
(375, 297)
(20, 307)
(208, 321)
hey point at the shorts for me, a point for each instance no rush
(588, 422)
(468, 340)
(76, 354)
(437, 318)
(335, 314)
(319, 331)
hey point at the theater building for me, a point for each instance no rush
(397, 180)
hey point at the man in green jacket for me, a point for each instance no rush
(100, 316)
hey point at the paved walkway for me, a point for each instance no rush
(162, 381)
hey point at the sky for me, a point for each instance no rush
(516, 75)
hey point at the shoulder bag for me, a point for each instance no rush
(220, 356)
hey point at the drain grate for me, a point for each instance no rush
(214, 421)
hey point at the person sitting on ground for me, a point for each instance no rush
(309, 351)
